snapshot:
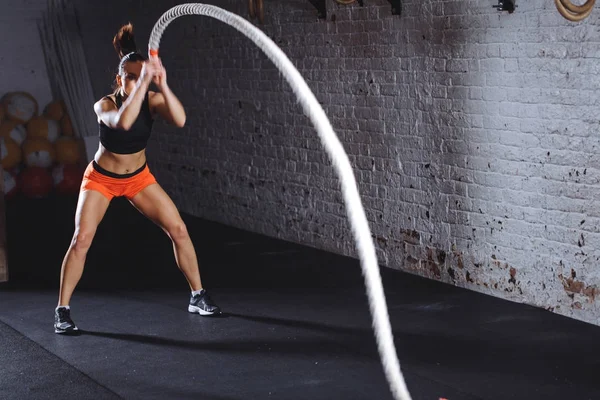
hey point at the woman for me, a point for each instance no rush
(119, 168)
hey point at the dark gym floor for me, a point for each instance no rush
(296, 323)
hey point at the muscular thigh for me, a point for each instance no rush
(91, 207)
(156, 204)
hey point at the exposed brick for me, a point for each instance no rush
(471, 133)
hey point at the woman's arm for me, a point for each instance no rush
(165, 103)
(124, 117)
(168, 106)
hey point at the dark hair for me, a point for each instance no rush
(124, 44)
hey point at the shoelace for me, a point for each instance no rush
(64, 314)
(206, 297)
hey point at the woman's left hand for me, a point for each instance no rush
(160, 78)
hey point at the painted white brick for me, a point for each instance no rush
(472, 134)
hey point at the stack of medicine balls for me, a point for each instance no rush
(39, 152)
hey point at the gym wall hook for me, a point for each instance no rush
(506, 5)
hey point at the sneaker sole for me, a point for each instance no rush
(66, 331)
(194, 309)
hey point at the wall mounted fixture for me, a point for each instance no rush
(506, 5)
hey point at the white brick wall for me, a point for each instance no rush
(473, 135)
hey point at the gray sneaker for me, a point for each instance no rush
(63, 322)
(203, 304)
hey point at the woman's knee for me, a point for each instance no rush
(178, 231)
(82, 239)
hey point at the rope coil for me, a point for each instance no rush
(339, 158)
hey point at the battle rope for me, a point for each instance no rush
(339, 158)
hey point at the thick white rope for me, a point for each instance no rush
(354, 209)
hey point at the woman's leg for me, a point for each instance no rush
(156, 205)
(91, 208)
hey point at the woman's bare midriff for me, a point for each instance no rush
(120, 163)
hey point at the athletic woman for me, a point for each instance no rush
(119, 168)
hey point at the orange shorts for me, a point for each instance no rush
(116, 185)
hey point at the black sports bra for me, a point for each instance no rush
(131, 141)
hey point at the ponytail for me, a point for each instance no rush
(124, 44)
(124, 41)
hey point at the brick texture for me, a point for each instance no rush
(472, 134)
